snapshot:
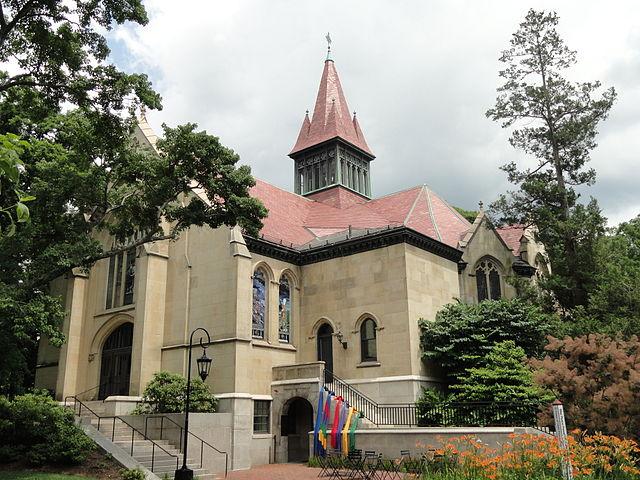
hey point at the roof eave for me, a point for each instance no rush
(324, 142)
(351, 246)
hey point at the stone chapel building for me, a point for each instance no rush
(336, 275)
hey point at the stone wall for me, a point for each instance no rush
(390, 441)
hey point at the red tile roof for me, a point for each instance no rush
(295, 220)
(512, 234)
(331, 117)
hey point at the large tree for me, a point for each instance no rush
(554, 120)
(84, 169)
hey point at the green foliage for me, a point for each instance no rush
(502, 377)
(132, 474)
(556, 122)
(463, 335)
(432, 408)
(470, 215)
(35, 428)
(614, 300)
(87, 174)
(166, 393)
(12, 199)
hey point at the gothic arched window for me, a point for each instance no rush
(259, 303)
(488, 281)
(284, 310)
(368, 348)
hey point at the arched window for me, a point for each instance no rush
(284, 310)
(259, 303)
(488, 281)
(368, 348)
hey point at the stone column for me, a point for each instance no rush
(148, 330)
(69, 362)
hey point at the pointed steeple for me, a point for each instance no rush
(330, 97)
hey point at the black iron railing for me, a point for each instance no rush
(203, 443)
(479, 414)
(444, 414)
(77, 403)
(396, 414)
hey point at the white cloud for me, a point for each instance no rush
(420, 74)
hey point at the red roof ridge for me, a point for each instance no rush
(433, 218)
(399, 191)
(415, 202)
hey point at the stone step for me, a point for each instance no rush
(147, 446)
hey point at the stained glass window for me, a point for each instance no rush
(259, 303)
(284, 310)
(368, 348)
(488, 281)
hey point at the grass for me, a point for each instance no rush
(25, 475)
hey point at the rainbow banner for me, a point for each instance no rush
(316, 428)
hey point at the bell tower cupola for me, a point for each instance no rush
(331, 150)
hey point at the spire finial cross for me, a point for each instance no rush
(328, 38)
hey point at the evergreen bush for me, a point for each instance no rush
(34, 427)
(167, 393)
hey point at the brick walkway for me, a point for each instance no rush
(278, 471)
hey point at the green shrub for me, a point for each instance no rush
(431, 408)
(132, 474)
(463, 335)
(36, 428)
(166, 393)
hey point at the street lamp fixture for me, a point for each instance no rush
(204, 367)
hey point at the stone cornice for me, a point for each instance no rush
(351, 246)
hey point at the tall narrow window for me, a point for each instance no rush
(121, 279)
(488, 281)
(261, 416)
(259, 303)
(332, 171)
(284, 310)
(129, 277)
(309, 180)
(316, 176)
(368, 347)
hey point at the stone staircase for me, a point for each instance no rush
(161, 457)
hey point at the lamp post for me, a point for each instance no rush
(204, 366)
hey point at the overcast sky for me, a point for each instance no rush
(420, 74)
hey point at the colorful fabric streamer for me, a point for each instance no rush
(336, 421)
(345, 432)
(344, 411)
(352, 431)
(316, 428)
(322, 435)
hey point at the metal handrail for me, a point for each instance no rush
(408, 414)
(202, 442)
(134, 430)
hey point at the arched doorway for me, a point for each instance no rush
(325, 347)
(296, 423)
(115, 369)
